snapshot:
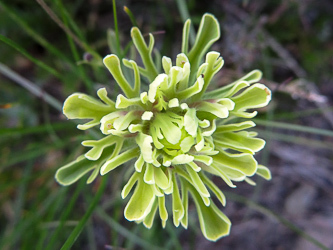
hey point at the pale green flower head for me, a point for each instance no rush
(177, 134)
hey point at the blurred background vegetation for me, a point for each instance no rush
(51, 49)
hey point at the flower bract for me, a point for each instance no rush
(176, 135)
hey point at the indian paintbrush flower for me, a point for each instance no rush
(178, 133)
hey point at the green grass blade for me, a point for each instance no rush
(40, 129)
(300, 140)
(31, 154)
(174, 241)
(30, 57)
(116, 27)
(289, 126)
(69, 32)
(70, 20)
(125, 232)
(92, 245)
(303, 113)
(44, 43)
(75, 53)
(32, 220)
(78, 229)
(69, 208)
(22, 189)
(34, 35)
(49, 220)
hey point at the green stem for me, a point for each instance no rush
(116, 27)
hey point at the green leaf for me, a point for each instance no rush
(194, 180)
(120, 159)
(231, 173)
(149, 219)
(175, 75)
(252, 77)
(191, 122)
(162, 210)
(216, 170)
(129, 185)
(160, 177)
(177, 206)
(113, 65)
(82, 106)
(137, 80)
(154, 88)
(166, 64)
(191, 91)
(182, 159)
(184, 220)
(264, 172)
(140, 203)
(213, 223)
(240, 141)
(183, 62)
(131, 16)
(256, 96)
(232, 88)
(242, 162)
(108, 120)
(123, 122)
(208, 33)
(93, 175)
(144, 141)
(74, 170)
(197, 183)
(149, 174)
(98, 146)
(145, 52)
(212, 65)
(226, 91)
(216, 109)
(187, 143)
(164, 124)
(215, 189)
(186, 32)
(234, 127)
(138, 165)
